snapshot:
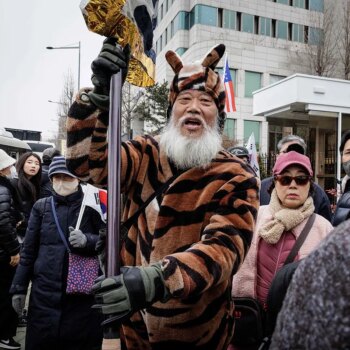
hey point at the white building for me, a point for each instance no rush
(261, 37)
(266, 41)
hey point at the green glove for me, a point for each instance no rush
(135, 289)
(110, 60)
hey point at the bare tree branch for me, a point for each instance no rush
(321, 44)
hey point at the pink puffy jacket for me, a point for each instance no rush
(270, 258)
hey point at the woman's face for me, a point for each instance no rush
(292, 195)
(31, 166)
(6, 171)
(346, 152)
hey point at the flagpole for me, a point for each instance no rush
(111, 340)
(82, 209)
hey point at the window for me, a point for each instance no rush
(161, 12)
(181, 50)
(169, 36)
(161, 43)
(299, 3)
(181, 21)
(316, 5)
(273, 28)
(220, 18)
(229, 19)
(275, 134)
(315, 36)
(274, 78)
(265, 25)
(285, 2)
(172, 32)
(298, 33)
(247, 23)
(282, 30)
(202, 14)
(229, 128)
(252, 83)
(250, 127)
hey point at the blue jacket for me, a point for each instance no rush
(321, 200)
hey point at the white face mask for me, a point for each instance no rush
(65, 188)
(13, 173)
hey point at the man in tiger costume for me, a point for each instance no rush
(181, 252)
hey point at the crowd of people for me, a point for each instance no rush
(207, 236)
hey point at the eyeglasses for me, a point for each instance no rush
(286, 180)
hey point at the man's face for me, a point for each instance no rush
(193, 111)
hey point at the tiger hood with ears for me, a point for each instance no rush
(198, 76)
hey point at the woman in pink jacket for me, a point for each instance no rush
(278, 226)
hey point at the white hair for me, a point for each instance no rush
(186, 151)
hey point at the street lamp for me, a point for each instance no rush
(67, 47)
(59, 103)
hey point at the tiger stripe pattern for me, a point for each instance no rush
(200, 229)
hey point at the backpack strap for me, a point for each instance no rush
(300, 240)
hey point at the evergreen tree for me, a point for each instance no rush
(153, 108)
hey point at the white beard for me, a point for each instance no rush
(190, 152)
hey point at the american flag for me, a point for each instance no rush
(230, 94)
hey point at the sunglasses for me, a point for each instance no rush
(286, 180)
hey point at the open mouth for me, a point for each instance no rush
(192, 123)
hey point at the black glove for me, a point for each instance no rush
(135, 289)
(110, 60)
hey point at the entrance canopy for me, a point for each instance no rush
(306, 97)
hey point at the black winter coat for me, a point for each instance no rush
(56, 320)
(9, 216)
(26, 202)
(342, 212)
(46, 189)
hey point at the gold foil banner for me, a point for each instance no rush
(107, 18)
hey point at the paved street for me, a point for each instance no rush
(20, 337)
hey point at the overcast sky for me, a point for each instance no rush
(30, 75)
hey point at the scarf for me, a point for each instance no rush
(284, 219)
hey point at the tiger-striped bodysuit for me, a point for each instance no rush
(200, 229)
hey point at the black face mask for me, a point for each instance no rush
(346, 167)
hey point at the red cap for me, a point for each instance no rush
(291, 158)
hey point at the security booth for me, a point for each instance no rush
(314, 108)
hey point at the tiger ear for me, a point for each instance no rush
(213, 57)
(174, 61)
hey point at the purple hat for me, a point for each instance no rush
(291, 158)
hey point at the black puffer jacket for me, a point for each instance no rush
(26, 202)
(9, 216)
(46, 189)
(53, 316)
(342, 211)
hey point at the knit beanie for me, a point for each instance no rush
(58, 166)
(5, 160)
(198, 76)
